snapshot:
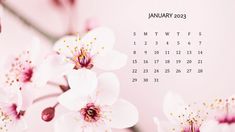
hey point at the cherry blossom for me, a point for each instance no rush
(222, 113)
(94, 104)
(29, 70)
(11, 114)
(182, 117)
(95, 49)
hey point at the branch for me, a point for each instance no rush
(134, 129)
(27, 22)
(46, 97)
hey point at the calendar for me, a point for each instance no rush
(161, 54)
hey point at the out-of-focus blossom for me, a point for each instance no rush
(11, 114)
(182, 117)
(222, 116)
(95, 49)
(99, 111)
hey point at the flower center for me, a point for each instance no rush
(192, 127)
(21, 69)
(90, 113)
(15, 113)
(27, 75)
(83, 60)
(227, 120)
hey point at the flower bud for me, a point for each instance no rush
(48, 114)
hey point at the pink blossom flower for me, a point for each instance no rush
(182, 117)
(11, 114)
(98, 111)
(94, 50)
(222, 116)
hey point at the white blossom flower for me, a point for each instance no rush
(99, 111)
(11, 115)
(222, 116)
(95, 49)
(182, 117)
(29, 70)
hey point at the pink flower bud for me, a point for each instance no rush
(48, 114)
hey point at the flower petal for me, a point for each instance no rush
(173, 106)
(69, 122)
(52, 67)
(67, 45)
(17, 126)
(99, 40)
(71, 101)
(35, 51)
(108, 88)
(27, 92)
(159, 127)
(163, 126)
(210, 126)
(124, 114)
(112, 60)
(84, 81)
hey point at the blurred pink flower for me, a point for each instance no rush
(223, 116)
(95, 49)
(98, 110)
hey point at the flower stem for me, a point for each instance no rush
(27, 22)
(46, 97)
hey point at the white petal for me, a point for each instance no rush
(4, 94)
(210, 126)
(27, 92)
(84, 81)
(18, 126)
(163, 126)
(98, 128)
(113, 60)
(67, 45)
(72, 101)
(108, 88)
(68, 123)
(157, 122)
(100, 40)
(35, 51)
(224, 128)
(232, 127)
(124, 114)
(52, 67)
(173, 106)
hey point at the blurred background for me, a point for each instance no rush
(50, 19)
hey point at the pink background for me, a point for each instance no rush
(215, 18)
